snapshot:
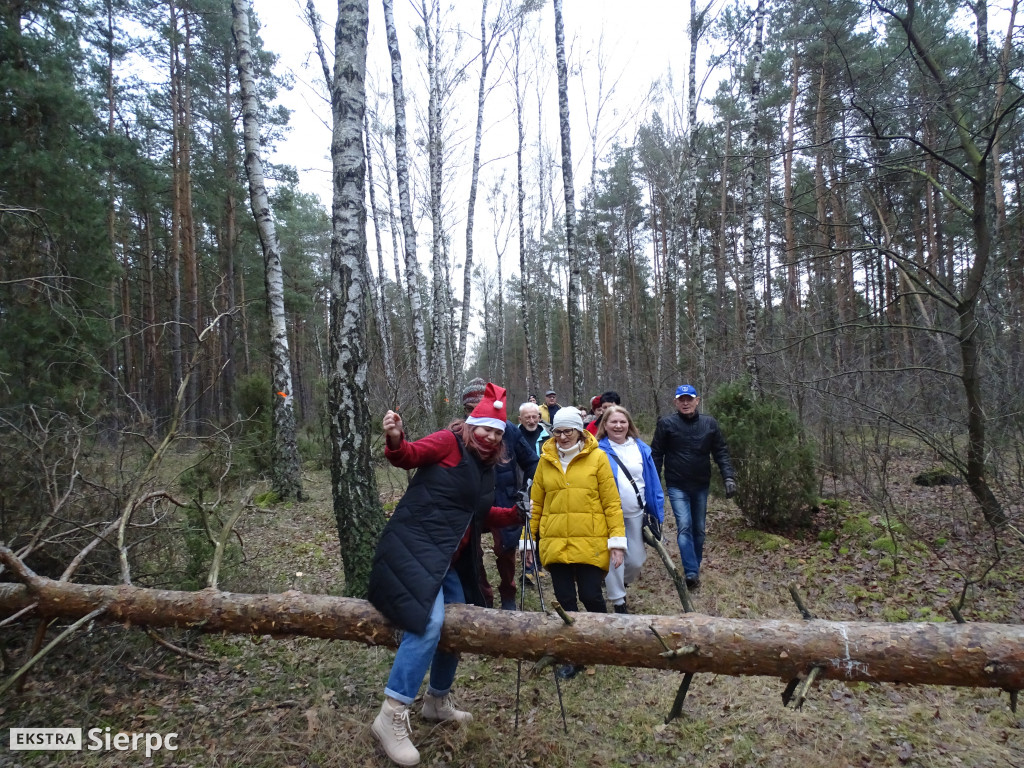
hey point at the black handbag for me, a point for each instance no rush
(651, 521)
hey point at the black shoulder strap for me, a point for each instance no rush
(636, 490)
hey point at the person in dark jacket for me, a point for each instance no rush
(549, 407)
(685, 443)
(427, 556)
(598, 403)
(510, 477)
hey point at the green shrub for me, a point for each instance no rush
(314, 447)
(197, 549)
(774, 461)
(254, 399)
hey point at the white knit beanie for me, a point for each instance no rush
(567, 417)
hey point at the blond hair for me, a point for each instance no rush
(609, 409)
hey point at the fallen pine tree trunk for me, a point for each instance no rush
(973, 654)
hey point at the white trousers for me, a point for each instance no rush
(636, 554)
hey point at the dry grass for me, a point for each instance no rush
(303, 702)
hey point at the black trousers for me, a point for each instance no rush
(566, 578)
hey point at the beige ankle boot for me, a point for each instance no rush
(442, 708)
(392, 729)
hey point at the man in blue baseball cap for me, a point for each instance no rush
(685, 443)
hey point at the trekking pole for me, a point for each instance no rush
(522, 598)
(534, 548)
(540, 596)
(522, 606)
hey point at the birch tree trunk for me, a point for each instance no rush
(573, 294)
(498, 365)
(405, 207)
(723, 234)
(750, 210)
(286, 471)
(696, 259)
(439, 313)
(393, 223)
(467, 272)
(353, 483)
(524, 272)
(543, 181)
(593, 295)
(380, 305)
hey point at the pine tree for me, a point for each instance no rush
(57, 260)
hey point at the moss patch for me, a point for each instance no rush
(767, 542)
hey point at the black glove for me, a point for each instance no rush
(522, 506)
(730, 488)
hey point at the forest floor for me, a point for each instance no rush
(304, 702)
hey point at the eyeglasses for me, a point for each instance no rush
(562, 432)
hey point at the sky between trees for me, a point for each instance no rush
(641, 49)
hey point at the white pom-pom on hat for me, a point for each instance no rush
(490, 411)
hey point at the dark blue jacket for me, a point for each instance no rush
(511, 476)
(521, 456)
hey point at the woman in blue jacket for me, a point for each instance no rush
(639, 488)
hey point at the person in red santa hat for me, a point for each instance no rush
(427, 557)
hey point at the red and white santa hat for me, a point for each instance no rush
(491, 410)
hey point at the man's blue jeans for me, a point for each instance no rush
(690, 509)
(418, 653)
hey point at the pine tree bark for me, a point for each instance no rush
(750, 212)
(971, 654)
(286, 471)
(228, 240)
(174, 247)
(189, 255)
(792, 298)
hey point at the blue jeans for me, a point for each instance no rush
(690, 509)
(418, 653)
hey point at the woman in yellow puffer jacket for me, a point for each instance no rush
(577, 515)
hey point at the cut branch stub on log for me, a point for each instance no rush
(973, 654)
